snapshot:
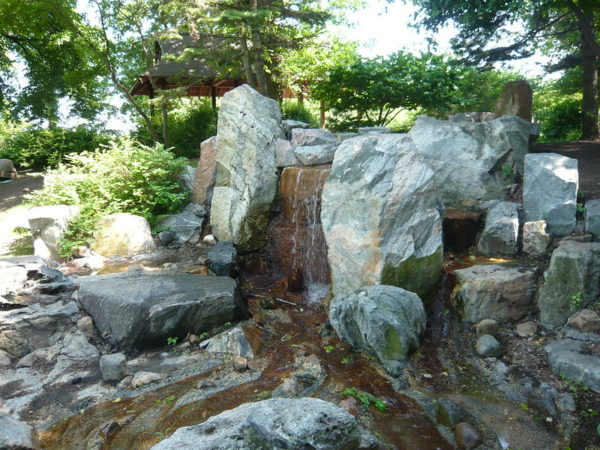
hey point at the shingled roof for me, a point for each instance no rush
(198, 77)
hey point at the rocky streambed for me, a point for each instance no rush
(444, 396)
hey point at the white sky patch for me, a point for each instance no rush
(384, 28)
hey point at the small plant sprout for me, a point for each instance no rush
(576, 300)
(366, 399)
(172, 340)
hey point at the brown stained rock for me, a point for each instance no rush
(460, 229)
(467, 436)
(240, 364)
(350, 404)
(255, 336)
(517, 99)
(526, 329)
(585, 321)
(204, 179)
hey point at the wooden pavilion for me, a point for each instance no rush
(197, 76)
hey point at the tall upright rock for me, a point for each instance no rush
(380, 217)
(246, 181)
(517, 99)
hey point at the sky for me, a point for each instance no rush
(381, 28)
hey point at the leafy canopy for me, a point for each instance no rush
(371, 92)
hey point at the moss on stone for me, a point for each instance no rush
(415, 274)
(394, 348)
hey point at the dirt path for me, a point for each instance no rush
(588, 155)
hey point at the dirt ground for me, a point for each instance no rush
(11, 194)
(588, 155)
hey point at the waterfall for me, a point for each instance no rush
(300, 250)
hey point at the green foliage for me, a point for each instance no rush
(328, 348)
(172, 340)
(558, 113)
(125, 176)
(190, 122)
(576, 300)
(366, 399)
(373, 91)
(38, 148)
(478, 90)
(47, 39)
(297, 111)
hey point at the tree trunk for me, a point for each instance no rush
(257, 52)
(250, 79)
(259, 64)
(589, 64)
(165, 122)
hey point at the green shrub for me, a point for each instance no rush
(38, 148)
(125, 176)
(559, 115)
(190, 122)
(291, 110)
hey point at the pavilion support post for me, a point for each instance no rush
(213, 97)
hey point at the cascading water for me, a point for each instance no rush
(300, 251)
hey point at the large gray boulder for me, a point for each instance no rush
(501, 232)
(7, 169)
(494, 292)
(568, 359)
(272, 424)
(380, 217)
(16, 435)
(592, 218)
(385, 320)
(122, 235)
(47, 225)
(572, 281)
(246, 180)
(144, 309)
(27, 329)
(471, 159)
(550, 186)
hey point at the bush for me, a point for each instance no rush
(125, 177)
(190, 122)
(298, 111)
(38, 148)
(559, 115)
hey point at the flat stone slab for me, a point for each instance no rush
(566, 358)
(144, 309)
(494, 292)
